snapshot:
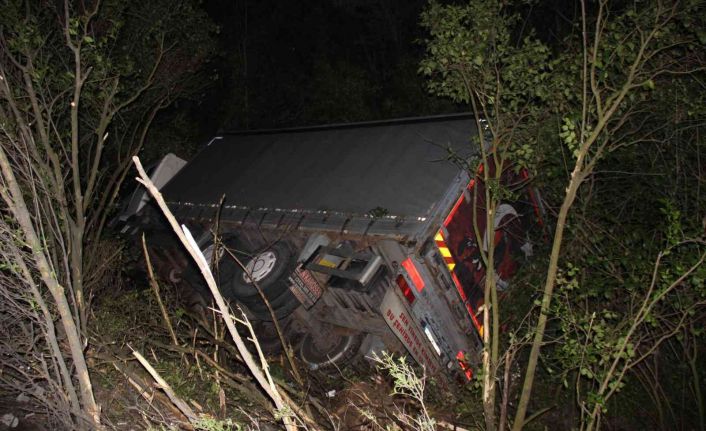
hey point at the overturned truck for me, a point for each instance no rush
(360, 236)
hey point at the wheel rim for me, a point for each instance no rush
(259, 267)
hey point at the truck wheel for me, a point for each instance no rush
(224, 261)
(327, 349)
(266, 269)
(270, 269)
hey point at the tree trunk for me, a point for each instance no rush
(18, 207)
(576, 180)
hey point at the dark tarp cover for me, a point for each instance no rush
(401, 167)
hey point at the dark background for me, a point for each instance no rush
(296, 63)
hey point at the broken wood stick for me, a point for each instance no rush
(181, 404)
(155, 288)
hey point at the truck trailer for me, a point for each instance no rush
(360, 236)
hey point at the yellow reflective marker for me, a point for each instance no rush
(327, 263)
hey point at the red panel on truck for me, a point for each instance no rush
(459, 245)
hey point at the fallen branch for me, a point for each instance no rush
(143, 388)
(188, 241)
(181, 404)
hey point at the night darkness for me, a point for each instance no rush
(284, 64)
(298, 63)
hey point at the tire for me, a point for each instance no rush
(271, 273)
(267, 337)
(232, 282)
(237, 285)
(340, 350)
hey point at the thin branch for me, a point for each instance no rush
(155, 288)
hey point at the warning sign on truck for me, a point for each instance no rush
(407, 330)
(304, 287)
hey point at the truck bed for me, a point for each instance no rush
(385, 178)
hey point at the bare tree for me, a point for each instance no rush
(78, 94)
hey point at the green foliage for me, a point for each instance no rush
(212, 424)
(641, 196)
(115, 325)
(603, 334)
(405, 380)
(154, 49)
(407, 383)
(599, 296)
(472, 57)
(591, 340)
(673, 228)
(568, 135)
(470, 53)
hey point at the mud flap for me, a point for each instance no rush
(401, 322)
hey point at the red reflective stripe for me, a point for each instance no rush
(413, 274)
(479, 326)
(459, 287)
(458, 203)
(453, 210)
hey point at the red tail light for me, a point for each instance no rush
(413, 274)
(406, 290)
(467, 371)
